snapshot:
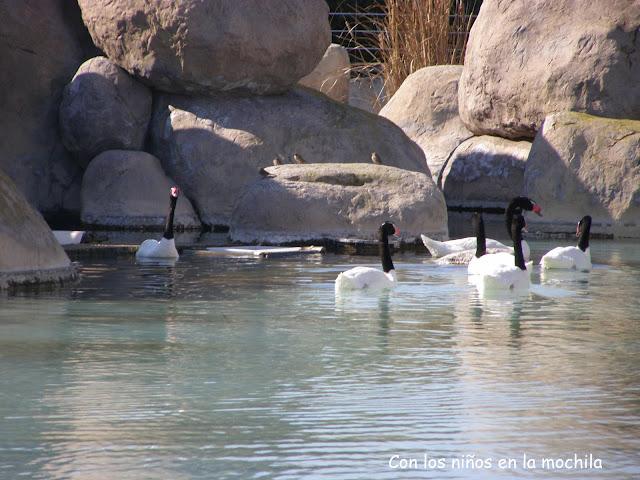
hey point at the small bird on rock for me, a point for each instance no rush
(375, 158)
(276, 162)
(298, 158)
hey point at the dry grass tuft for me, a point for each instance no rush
(420, 33)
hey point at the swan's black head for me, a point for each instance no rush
(583, 231)
(524, 203)
(584, 225)
(386, 229)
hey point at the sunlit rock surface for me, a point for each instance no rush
(426, 108)
(214, 146)
(525, 60)
(308, 202)
(191, 46)
(585, 165)
(331, 75)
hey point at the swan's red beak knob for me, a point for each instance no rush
(396, 231)
(175, 191)
(537, 210)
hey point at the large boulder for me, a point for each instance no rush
(331, 76)
(585, 165)
(123, 188)
(521, 66)
(29, 253)
(333, 201)
(485, 171)
(214, 146)
(103, 108)
(41, 46)
(191, 46)
(367, 93)
(426, 108)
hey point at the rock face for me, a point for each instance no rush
(485, 171)
(426, 108)
(124, 188)
(585, 165)
(214, 146)
(367, 93)
(41, 46)
(191, 46)
(103, 108)
(331, 75)
(519, 67)
(29, 253)
(331, 201)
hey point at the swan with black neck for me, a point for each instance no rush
(571, 258)
(165, 248)
(360, 278)
(502, 271)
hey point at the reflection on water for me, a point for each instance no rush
(240, 368)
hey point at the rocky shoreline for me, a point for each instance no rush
(111, 103)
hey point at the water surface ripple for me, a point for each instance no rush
(241, 368)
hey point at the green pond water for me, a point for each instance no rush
(219, 368)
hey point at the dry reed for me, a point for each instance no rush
(420, 33)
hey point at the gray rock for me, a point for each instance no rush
(367, 93)
(29, 253)
(333, 201)
(426, 108)
(585, 165)
(579, 56)
(214, 146)
(191, 46)
(103, 108)
(124, 188)
(331, 75)
(485, 171)
(41, 46)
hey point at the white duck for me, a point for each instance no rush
(166, 247)
(492, 272)
(572, 258)
(441, 249)
(360, 278)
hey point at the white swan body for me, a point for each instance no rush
(496, 276)
(491, 261)
(567, 258)
(501, 271)
(68, 237)
(439, 249)
(360, 278)
(165, 248)
(466, 256)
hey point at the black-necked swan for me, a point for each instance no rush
(442, 249)
(569, 258)
(502, 271)
(360, 278)
(166, 247)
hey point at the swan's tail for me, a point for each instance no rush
(436, 248)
